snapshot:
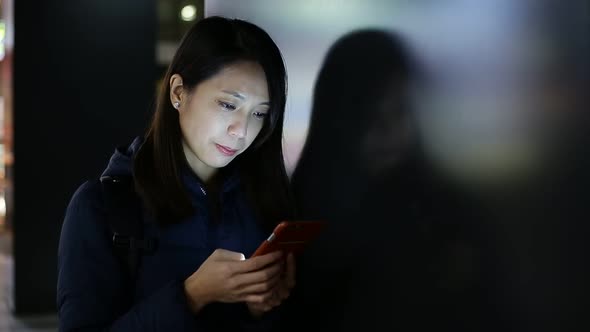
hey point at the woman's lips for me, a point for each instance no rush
(226, 150)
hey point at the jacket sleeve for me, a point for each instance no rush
(270, 321)
(91, 289)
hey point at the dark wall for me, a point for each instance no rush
(84, 81)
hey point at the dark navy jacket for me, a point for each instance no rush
(91, 289)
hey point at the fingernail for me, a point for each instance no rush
(242, 257)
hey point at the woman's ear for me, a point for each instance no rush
(176, 91)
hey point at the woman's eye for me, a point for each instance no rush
(226, 106)
(260, 115)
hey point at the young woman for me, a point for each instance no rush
(211, 184)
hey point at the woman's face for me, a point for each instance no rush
(222, 116)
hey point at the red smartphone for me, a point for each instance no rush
(290, 236)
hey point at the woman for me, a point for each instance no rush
(211, 182)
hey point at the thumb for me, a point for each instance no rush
(223, 254)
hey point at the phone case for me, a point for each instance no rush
(290, 236)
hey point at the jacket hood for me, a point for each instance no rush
(121, 162)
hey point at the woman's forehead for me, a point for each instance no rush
(243, 80)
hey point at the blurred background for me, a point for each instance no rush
(500, 99)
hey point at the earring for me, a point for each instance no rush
(176, 104)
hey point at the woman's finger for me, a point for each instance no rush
(261, 287)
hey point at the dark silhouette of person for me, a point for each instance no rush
(360, 171)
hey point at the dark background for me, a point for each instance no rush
(84, 78)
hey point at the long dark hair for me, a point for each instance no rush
(360, 70)
(210, 45)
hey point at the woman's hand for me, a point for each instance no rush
(278, 294)
(226, 276)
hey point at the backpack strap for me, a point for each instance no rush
(124, 215)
